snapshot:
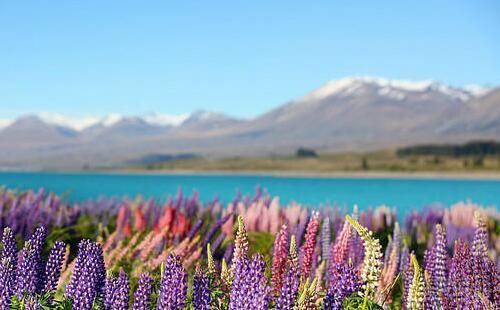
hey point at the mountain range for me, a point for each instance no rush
(352, 114)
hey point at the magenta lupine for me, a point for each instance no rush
(53, 266)
(142, 296)
(290, 288)
(435, 266)
(250, 289)
(280, 254)
(9, 252)
(173, 286)
(307, 249)
(88, 276)
(344, 281)
(201, 290)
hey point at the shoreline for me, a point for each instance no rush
(424, 175)
(313, 174)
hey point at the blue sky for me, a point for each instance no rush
(239, 57)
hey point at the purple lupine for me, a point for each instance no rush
(9, 252)
(195, 228)
(460, 290)
(77, 269)
(250, 289)
(201, 290)
(483, 267)
(29, 264)
(290, 288)
(53, 266)
(173, 286)
(117, 292)
(213, 229)
(344, 281)
(435, 266)
(142, 296)
(228, 253)
(5, 283)
(88, 276)
(407, 270)
(218, 241)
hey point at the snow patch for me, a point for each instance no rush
(5, 123)
(395, 89)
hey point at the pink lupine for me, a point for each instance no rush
(280, 254)
(307, 249)
(340, 250)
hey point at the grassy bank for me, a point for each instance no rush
(383, 161)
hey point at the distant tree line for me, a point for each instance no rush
(473, 148)
(304, 152)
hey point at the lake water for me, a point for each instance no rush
(402, 193)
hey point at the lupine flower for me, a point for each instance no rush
(29, 265)
(53, 266)
(6, 267)
(142, 296)
(407, 271)
(344, 281)
(9, 252)
(225, 273)
(340, 250)
(460, 281)
(117, 292)
(301, 228)
(435, 266)
(307, 249)
(201, 290)
(195, 228)
(325, 241)
(249, 290)
(280, 254)
(483, 267)
(290, 288)
(173, 286)
(416, 292)
(308, 297)
(392, 261)
(210, 260)
(88, 276)
(240, 245)
(213, 229)
(218, 241)
(370, 273)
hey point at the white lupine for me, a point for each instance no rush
(416, 295)
(371, 270)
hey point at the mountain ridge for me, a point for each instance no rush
(352, 114)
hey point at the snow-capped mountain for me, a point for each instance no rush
(351, 114)
(395, 89)
(109, 120)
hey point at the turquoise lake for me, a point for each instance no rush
(402, 193)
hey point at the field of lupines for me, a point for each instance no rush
(250, 253)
